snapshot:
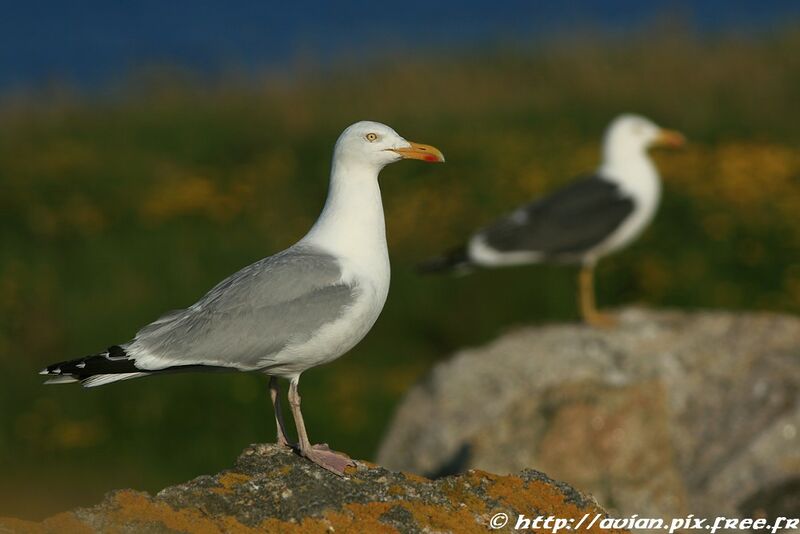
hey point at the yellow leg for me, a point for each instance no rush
(586, 300)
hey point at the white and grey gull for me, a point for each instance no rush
(589, 218)
(300, 308)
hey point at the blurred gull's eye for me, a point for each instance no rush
(372, 137)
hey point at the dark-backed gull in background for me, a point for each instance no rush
(580, 223)
(300, 308)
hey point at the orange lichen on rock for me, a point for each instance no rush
(230, 480)
(134, 507)
(395, 490)
(532, 497)
(411, 477)
(273, 490)
(359, 518)
(462, 493)
(441, 519)
(62, 523)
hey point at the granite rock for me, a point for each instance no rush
(270, 489)
(668, 414)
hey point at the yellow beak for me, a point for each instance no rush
(428, 153)
(670, 138)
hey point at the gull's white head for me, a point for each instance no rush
(377, 145)
(632, 135)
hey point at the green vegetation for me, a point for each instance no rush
(114, 211)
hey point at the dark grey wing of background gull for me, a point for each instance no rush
(565, 224)
(252, 314)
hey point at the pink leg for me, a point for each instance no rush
(321, 455)
(274, 393)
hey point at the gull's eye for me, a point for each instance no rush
(372, 137)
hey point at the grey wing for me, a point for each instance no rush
(249, 316)
(572, 220)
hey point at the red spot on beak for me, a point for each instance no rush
(431, 158)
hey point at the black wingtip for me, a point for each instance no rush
(113, 361)
(110, 366)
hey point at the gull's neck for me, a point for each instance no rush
(631, 168)
(351, 224)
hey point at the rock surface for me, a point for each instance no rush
(668, 414)
(270, 489)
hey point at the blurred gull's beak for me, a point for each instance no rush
(670, 138)
(422, 152)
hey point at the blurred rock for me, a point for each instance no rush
(668, 414)
(270, 489)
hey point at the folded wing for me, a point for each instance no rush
(569, 222)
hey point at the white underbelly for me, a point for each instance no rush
(481, 253)
(627, 232)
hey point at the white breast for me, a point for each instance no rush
(638, 179)
(351, 228)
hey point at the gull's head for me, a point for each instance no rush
(377, 145)
(630, 135)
